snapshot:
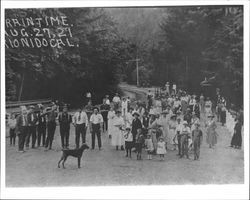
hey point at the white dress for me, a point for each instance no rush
(161, 149)
(111, 116)
(208, 107)
(117, 137)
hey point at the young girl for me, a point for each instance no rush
(128, 137)
(139, 143)
(12, 125)
(161, 150)
(149, 146)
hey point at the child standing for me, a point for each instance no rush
(149, 146)
(12, 125)
(128, 137)
(197, 140)
(161, 149)
(139, 143)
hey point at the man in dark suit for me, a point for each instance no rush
(22, 128)
(32, 120)
(51, 127)
(64, 120)
(41, 127)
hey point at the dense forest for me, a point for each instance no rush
(176, 44)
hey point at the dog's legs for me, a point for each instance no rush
(65, 158)
(79, 162)
(60, 161)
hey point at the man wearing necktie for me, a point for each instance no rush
(41, 129)
(65, 120)
(80, 121)
(22, 128)
(96, 123)
(32, 120)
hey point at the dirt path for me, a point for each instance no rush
(36, 167)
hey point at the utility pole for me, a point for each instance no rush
(186, 71)
(137, 70)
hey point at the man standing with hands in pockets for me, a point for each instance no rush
(80, 121)
(96, 122)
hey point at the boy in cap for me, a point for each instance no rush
(197, 140)
(128, 137)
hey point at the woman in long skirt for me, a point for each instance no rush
(172, 127)
(237, 138)
(111, 117)
(152, 130)
(117, 137)
(211, 133)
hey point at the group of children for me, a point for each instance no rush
(187, 141)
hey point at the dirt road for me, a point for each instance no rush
(36, 167)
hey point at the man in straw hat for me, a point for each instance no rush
(22, 128)
(197, 140)
(32, 120)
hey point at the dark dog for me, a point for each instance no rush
(73, 152)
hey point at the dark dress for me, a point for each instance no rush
(237, 138)
(223, 116)
(136, 124)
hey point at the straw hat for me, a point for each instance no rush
(136, 113)
(185, 122)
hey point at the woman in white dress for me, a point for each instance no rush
(117, 137)
(111, 116)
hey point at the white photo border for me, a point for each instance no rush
(239, 191)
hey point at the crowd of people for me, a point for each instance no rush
(168, 120)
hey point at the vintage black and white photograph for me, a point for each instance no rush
(124, 96)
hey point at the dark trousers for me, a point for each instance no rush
(64, 132)
(12, 136)
(80, 130)
(179, 144)
(41, 134)
(31, 133)
(197, 148)
(96, 131)
(105, 124)
(184, 145)
(21, 137)
(51, 132)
